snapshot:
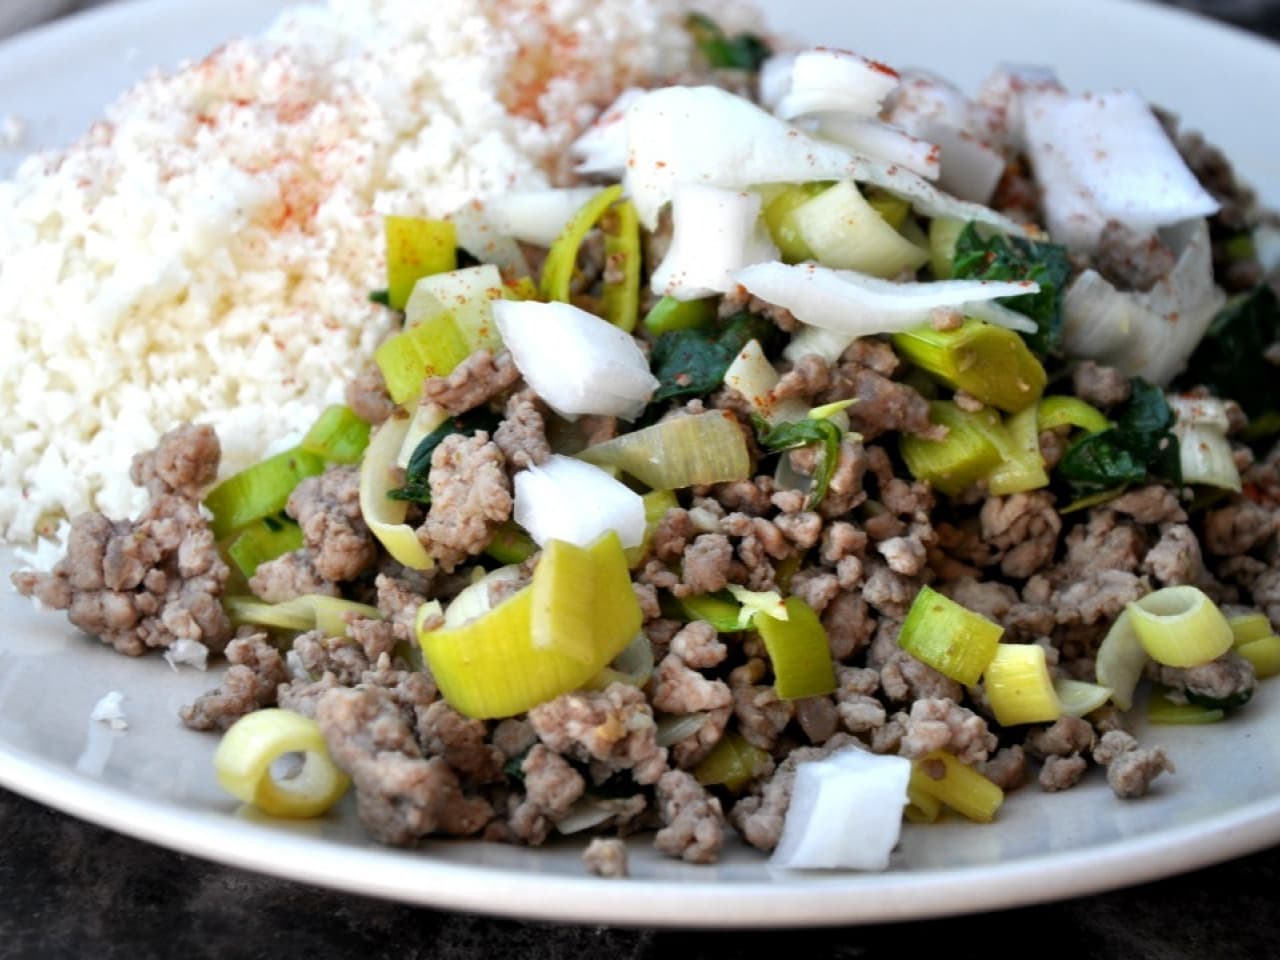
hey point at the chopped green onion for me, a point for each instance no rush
(1249, 626)
(670, 314)
(766, 603)
(779, 217)
(720, 612)
(1162, 710)
(801, 433)
(253, 743)
(259, 491)
(991, 363)
(562, 258)
(965, 456)
(1060, 411)
(263, 540)
(961, 788)
(432, 348)
(510, 544)
(384, 516)
(952, 639)
(338, 435)
(943, 234)
(416, 248)
(1019, 687)
(1078, 698)
(799, 651)
(622, 257)
(1264, 654)
(1120, 661)
(845, 232)
(732, 763)
(745, 51)
(680, 452)
(1180, 626)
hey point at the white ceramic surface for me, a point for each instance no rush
(154, 781)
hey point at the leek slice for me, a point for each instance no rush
(622, 256)
(263, 540)
(1162, 710)
(1078, 698)
(721, 613)
(892, 209)
(1019, 687)
(1180, 626)
(965, 456)
(259, 491)
(921, 807)
(466, 294)
(766, 603)
(253, 743)
(732, 763)
(416, 248)
(799, 651)
(1264, 654)
(656, 505)
(509, 544)
(562, 258)
(779, 217)
(633, 666)
(845, 232)
(1021, 467)
(432, 348)
(952, 639)
(1120, 661)
(384, 516)
(680, 452)
(943, 234)
(426, 420)
(961, 788)
(1059, 411)
(308, 612)
(991, 363)
(338, 435)
(543, 641)
(670, 314)
(1249, 626)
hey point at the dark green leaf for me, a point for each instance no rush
(1141, 444)
(417, 476)
(1231, 359)
(746, 51)
(692, 363)
(1017, 258)
(380, 296)
(801, 433)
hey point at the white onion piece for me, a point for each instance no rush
(186, 650)
(1110, 149)
(860, 305)
(480, 238)
(827, 344)
(578, 363)
(571, 500)
(1201, 424)
(845, 812)
(676, 727)
(969, 168)
(753, 376)
(923, 97)
(602, 148)
(473, 601)
(591, 812)
(998, 105)
(775, 78)
(714, 232)
(880, 141)
(1147, 334)
(826, 79)
(537, 216)
(709, 136)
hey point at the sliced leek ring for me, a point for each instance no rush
(253, 743)
(1180, 626)
(384, 516)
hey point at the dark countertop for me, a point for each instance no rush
(69, 889)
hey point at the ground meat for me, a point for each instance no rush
(677, 689)
(1237, 528)
(1230, 679)
(751, 497)
(845, 490)
(706, 565)
(1064, 737)
(883, 405)
(904, 679)
(1007, 768)
(288, 576)
(935, 724)
(513, 736)
(1131, 260)
(398, 602)
(302, 694)
(444, 732)
(989, 598)
(319, 654)
(693, 749)
(803, 529)
(761, 715)
(1053, 446)
(142, 584)
(698, 645)
(646, 596)
(738, 299)
(1150, 504)
(856, 704)
(400, 796)
(249, 684)
(605, 857)
(375, 637)
(1175, 559)
(551, 788)
(889, 593)
(1098, 597)
(1062, 773)
(905, 555)
(841, 540)
(807, 378)
(522, 435)
(613, 729)
(815, 587)
(327, 508)
(597, 428)
(1130, 768)
(818, 718)
(368, 398)
(470, 498)
(184, 462)
(476, 380)
(694, 822)
(848, 623)
(672, 535)
(1024, 528)
(1104, 543)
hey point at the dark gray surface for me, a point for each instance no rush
(68, 889)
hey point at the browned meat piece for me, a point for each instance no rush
(935, 724)
(476, 380)
(677, 689)
(1230, 678)
(905, 555)
(1104, 543)
(646, 596)
(470, 498)
(840, 540)
(1053, 446)
(1237, 528)
(751, 497)
(738, 299)
(989, 598)
(142, 584)
(367, 396)
(872, 353)
(905, 679)
(288, 576)
(398, 602)
(845, 491)
(816, 587)
(859, 710)
(848, 623)
(1098, 597)
(249, 684)
(672, 535)
(184, 462)
(376, 638)
(1150, 504)
(302, 695)
(807, 378)
(818, 718)
(890, 593)
(551, 788)
(761, 715)
(605, 857)
(522, 435)
(1175, 559)
(803, 528)
(444, 732)
(514, 736)
(707, 562)
(1007, 768)
(612, 729)
(698, 645)
(327, 509)
(1131, 260)
(319, 654)
(1062, 773)
(400, 796)
(1130, 768)
(883, 405)
(694, 822)
(689, 752)
(1064, 737)
(1024, 528)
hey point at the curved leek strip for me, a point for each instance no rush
(473, 600)
(779, 217)
(1092, 500)
(965, 456)
(557, 269)
(1059, 411)
(548, 639)
(961, 788)
(308, 612)
(259, 491)
(1077, 698)
(633, 666)
(1264, 654)
(673, 728)
(1019, 687)
(921, 807)
(263, 540)
(431, 348)
(416, 248)
(466, 294)
(1162, 710)
(845, 232)
(988, 362)
(670, 314)
(1120, 661)
(623, 262)
(732, 763)
(724, 615)
(943, 234)
(681, 452)
(426, 420)
(510, 544)
(798, 650)
(1249, 626)
(338, 435)
(1021, 467)
(253, 743)
(1180, 626)
(955, 641)
(384, 516)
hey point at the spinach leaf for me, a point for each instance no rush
(1141, 444)
(382, 296)
(1231, 359)
(1017, 258)
(691, 363)
(417, 475)
(801, 433)
(746, 51)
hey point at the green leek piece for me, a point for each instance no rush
(429, 349)
(543, 641)
(385, 517)
(943, 234)
(670, 314)
(562, 258)
(921, 807)
(845, 232)
(1162, 710)
(892, 209)
(259, 491)
(1264, 654)
(1180, 626)
(955, 641)
(510, 544)
(468, 295)
(338, 436)
(416, 248)
(990, 363)
(1059, 411)
(732, 763)
(623, 260)
(719, 611)
(1019, 687)
(307, 612)
(522, 289)
(965, 456)
(961, 788)
(263, 540)
(1078, 698)
(253, 743)
(1249, 626)
(798, 650)
(779, 217)
(1021, 466)
(677, 453)
(1120, 661)
(633, 666)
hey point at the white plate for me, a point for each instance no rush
(155, 781)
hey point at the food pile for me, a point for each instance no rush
(835, 442)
